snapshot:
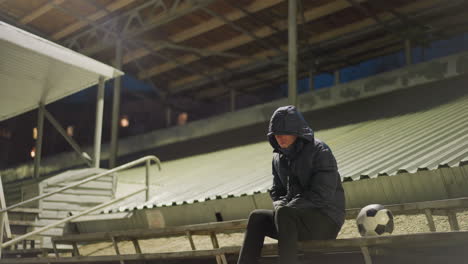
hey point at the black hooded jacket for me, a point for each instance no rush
(305, 176)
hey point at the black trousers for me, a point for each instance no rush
(287, 225)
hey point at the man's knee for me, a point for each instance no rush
(285, 212)
(258, 216)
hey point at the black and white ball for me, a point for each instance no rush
(375, 220)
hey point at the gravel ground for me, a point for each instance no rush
(404, 224)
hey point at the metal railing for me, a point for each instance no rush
(147, 160)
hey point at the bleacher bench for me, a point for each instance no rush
(367, 247)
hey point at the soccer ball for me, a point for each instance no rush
(375, 220)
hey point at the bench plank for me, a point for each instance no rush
(422, 240)
(152, 256)
(364, 245)
(394, 241)
(198, 229)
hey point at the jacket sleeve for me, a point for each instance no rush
(322, 187)
(278, 190)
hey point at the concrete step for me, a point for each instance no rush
(81, 191)
(76, 199)
(94, 185)
(25, 210)
(72, 175)
(22, 217)
(54, 214)
(22, 222)
(55, 231)
(64, 206)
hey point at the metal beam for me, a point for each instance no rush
(292, 52)
(263, 77)
(178, 9)
(84, 156)
(404, 18)
(201, 52)
(115, 34)
(351, 31)
(337, 76)
(40, 11)
(311, 80)
(168, 116)
(203, 27)
(262, 32)
(384, 45)
(70, 29)
(408, 53)
(251, 15)
(386, 26)
(233, 99)
(244, 31)
(176, 61)
(280, 77)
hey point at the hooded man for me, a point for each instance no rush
(308, 199)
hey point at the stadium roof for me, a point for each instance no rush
(197, 51)
(425, 140)
(34, 70)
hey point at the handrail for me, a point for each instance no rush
(131, 164)
(47, 227)
(147, 160)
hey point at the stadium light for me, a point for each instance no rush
(124, 122)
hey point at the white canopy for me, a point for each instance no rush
(33, 69)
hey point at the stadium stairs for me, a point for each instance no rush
(53, 208)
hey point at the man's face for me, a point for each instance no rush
(285, 140)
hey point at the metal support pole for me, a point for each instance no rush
(292, 52)
(452, 217)
(2, 224)
(147, 193)
(311, 80)
(233, 99)
(366, 255)
(40, 132)
(430, 219)
(114, 144)
(190, 238)
(337, 77)
(408, 55)
(168, 116)
(4, 215)
(98, 128)
(116, 248)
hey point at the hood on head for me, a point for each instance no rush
(287, 120)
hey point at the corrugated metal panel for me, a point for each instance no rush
(33, 69)
(412, 143)
(408, 143)
(426, 185)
